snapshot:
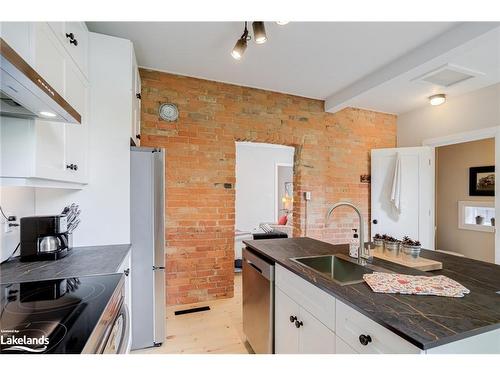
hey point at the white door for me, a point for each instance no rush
(314, 337)
(415, 217)
(286, 336)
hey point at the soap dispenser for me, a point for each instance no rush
(354, 244)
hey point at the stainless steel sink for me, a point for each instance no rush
(336, 267)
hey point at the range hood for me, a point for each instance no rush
(24, 93)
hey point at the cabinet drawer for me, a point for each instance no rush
(317, 302)
(350, 325)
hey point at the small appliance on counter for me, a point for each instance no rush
(45, 238)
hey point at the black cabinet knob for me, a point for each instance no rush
(75, 167)
(127, 272)
(298, 324)
(292, 318)
(375, 221)
(73, 41)
(70, 36)
(72, 166)
(365, 339)
(138, 136)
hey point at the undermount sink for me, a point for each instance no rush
(335, 267)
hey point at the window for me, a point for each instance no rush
(476, 215)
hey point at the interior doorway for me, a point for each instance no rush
(465, 201)
(264, 190)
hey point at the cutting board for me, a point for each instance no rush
(422, 264)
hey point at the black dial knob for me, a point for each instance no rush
(298, 323)
(365, 339)
(292, 318)
(374, 221)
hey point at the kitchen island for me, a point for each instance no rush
(354, 319)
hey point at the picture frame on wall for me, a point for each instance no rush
(482, 181)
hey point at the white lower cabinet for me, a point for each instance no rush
(309, 320)
(299, 332)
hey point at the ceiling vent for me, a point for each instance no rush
(447, 76)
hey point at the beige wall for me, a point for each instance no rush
(472, 111)
(452, 185)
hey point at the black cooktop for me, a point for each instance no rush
(52, 316)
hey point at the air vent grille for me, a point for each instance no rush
(447, 76)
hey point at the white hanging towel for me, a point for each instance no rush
(396, 185)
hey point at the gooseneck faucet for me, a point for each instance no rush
(362, 253)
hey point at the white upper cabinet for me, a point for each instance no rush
(74, 37)
(136, 104)
(59, 151)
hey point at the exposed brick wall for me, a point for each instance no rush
(332, 151)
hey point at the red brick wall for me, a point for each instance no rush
(332, 151)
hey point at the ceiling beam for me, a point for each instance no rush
(451, 39)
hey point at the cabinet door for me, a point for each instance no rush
(50, 57)
(18, 36)
(286, 335)
(50, 152)
(342, 348)
(136, 107)
(314, 337)
(79, 45)
(76, 141)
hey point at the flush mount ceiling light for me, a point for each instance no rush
(437, 99)
(259, 35)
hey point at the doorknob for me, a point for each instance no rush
(374, 221)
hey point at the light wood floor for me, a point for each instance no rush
(219, 330)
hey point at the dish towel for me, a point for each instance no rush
(396, 185)
(382, 282)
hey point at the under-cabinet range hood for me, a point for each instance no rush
(24, 93)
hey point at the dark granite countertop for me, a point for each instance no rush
(425, 321)
(81, 261)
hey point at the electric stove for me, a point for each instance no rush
(69, 315)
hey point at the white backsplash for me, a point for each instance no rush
(19, 202)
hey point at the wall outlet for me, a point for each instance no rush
(307, 195)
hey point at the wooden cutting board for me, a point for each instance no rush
(422, 264)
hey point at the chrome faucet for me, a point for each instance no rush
(363, 254)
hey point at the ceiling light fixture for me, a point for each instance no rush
(437, 99)
(259, 32)
(259, 35)
(241, 45)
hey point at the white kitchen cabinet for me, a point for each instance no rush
(297, 331)
(19, 36)
(135, 134)
(74, 37)
(58, 152)
(366, 336)
(286, 334)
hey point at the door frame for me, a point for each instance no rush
(276, 187)
(474, 135)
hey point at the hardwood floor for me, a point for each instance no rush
(217, 331)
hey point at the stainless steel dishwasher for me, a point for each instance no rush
(258, 302)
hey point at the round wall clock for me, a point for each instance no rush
(169, 112)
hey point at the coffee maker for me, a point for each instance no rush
(44, 238)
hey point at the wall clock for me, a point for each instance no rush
(169, 112)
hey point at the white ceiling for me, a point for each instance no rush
(311, 59)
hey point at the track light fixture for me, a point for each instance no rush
(259, 32)
(259, 35)
(241, 44)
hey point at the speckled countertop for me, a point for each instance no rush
(81, 261)
(425, 321)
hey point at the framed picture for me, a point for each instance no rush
(482, 181)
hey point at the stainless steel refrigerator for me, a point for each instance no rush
(147, 173)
